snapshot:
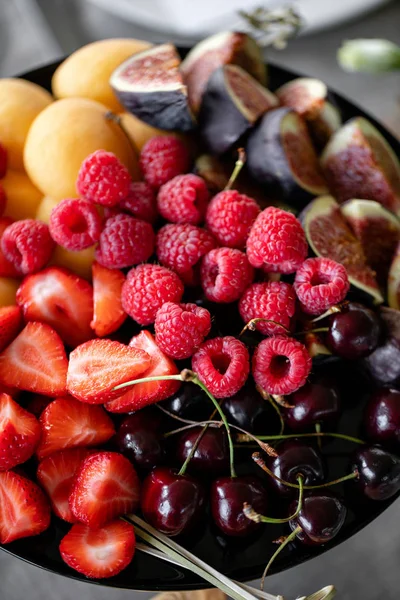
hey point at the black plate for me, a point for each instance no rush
(244, 560)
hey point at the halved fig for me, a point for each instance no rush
(394, 281)
(378, 230)
(280, 155)
(383, 364)
(150, 85)
(359, 163)
(329, 235)
(232, 103)
(227, 47)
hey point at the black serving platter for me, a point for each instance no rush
(243, 559)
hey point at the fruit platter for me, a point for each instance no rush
(199, 315)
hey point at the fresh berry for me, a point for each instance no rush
(103, 179)
(35, 361)
(274, 301)
(230, 216)
(277, 241)
(141, 202)
(75, 224)
(124, 242)
(281, 365)
(27, 245)
(61, 299)
(99, 553)
(67, 423)
(108, 314)
(162, 158)
(24, 509)
(180, 248)
(105, 487)
(146, 289)
(183, 199)
(320, 283)
(222, 364)
(19, 433)
(56, 474)
(3, 199)
(7, 269)
(225, 274)
(181, 328)
(142, 394)
(3, 161)
(37, 404)
(10, 324)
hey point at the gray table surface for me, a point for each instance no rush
(367, 566)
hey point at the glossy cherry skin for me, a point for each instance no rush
(320, 518)
(316, 402)
(382, 418)
(355, 332)
(379, 472)
(211, 456)
(190, 402)
(228, 494)
(172, 503)
(139, 438)
(248, 410)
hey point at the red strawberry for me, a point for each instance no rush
(99, 553)
(61, 299)
(24, 509)
(7, 269)
(105, 487)
(99, 365)
(10, 324)
(35, 361)
(67, 423)
(19, 433)
(142, 394)
(108, 314)
(56, 474)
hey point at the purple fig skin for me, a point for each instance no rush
(383, 365)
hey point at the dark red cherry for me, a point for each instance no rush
(382, 418)
(172, 503)
(139, 438)
(190, 402)
(379, 472)
(354, 332)
(316, 402)
(320, 518)
(228, 494)
(211, 456)
(248, 410)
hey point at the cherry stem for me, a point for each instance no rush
(251, 514)
(267, 397)
(331, 311)
(287, 541)
(316, 330)
(238, 167)
(183, 468)
(288, 436)
(281, 401)
(318, 430)
(252, 325)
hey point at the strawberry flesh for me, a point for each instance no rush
(108, 314)
(11, 324)
(19, 433)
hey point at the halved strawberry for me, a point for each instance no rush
(67, 423)
(99, 365)
(105, 487)
(56, 474)
(60, 298)
(108, 314)
(35, 361)
(7, 269)
(19, 433)
(99, 553)
(24, 509)
(10, 324)
(142, 394)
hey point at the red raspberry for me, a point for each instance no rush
(27, 245)
(320, 283)
(230, 216)
(162, 158)
(277, 241)
(223, 365)
(225, 274)
(75, 224)
(181, 328)
(3, 200)
(125, 241)
(273, 300)
(183, 199)
(281, 365)
(103, 179)
(3, 161)
(146, 289)
(141, 202)
(180, 248)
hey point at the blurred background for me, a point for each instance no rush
(33, 32)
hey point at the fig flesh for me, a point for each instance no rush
(383, 364)
(329, 235)
(394, 281)
(359, 163)
(150, 86)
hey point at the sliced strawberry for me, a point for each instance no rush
(105, 487)
(97, 366)
(11, 324)
(108, 314)
(37, 404)
(56, 474)
(142, 394)
(60, 298)
(19, 433)
(24, 509)
(35, 361)
(7, 269)
(67, 423)
(99, 553)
